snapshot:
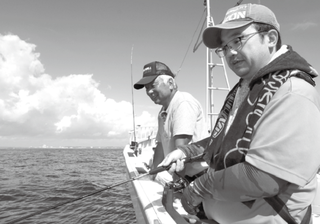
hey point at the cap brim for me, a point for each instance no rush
(212, 35)
(144, 81)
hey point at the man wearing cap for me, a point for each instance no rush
(181, 119)
(264, 152)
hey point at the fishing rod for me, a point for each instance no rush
(134, 142)
(151, 172)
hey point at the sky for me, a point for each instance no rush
(67, 66)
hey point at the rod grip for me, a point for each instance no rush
(159, 169)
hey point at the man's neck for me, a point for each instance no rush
(167, 103)
(279, 52)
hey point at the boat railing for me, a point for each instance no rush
(144, 137)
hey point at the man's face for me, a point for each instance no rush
(158, 91)
(253, 54)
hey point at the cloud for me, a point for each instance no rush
(304, 26)
(34, 104)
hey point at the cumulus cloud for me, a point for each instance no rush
(34, 104)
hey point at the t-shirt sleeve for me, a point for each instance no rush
(185, 118)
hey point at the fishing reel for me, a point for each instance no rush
(178, 185)
(182, 182)
(167, 199)
(174, 188)
(134, 146)
(170, 189)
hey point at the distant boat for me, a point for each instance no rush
(150, 203)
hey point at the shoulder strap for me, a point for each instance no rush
(279, 206)
(307, 218)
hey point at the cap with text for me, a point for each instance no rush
(237, 17)
(151, 71)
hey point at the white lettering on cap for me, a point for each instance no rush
(235, 16)
(146, 69)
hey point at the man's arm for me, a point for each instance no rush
(182, 140)
(158, 155)
(191, 169)
(240, 182)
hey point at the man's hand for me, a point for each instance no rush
(175, 156)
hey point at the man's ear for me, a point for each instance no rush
(273, 38)
(171, 83)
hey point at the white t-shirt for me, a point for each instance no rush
(184, 116)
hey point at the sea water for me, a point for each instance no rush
(34, 179)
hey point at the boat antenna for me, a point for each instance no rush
(134, 141)
(185, 55)
(199, 39)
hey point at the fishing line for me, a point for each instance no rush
(199, 39)
(185, 55)
(151, 172)
(85, 196)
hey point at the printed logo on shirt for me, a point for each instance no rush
(219, 127)
(223, 116)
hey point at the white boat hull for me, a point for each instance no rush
(146, 194)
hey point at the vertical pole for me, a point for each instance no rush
(209, 81)
(133, 115)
